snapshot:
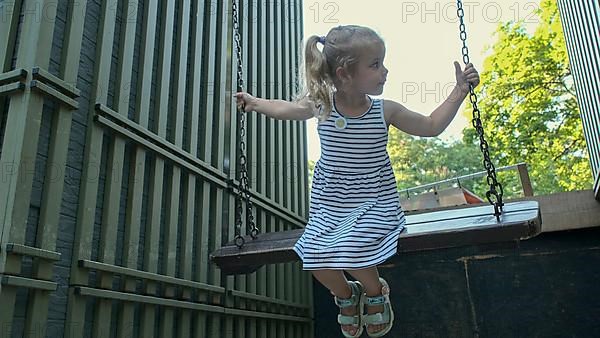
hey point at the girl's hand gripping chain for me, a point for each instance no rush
(245, 100)
(467, 77)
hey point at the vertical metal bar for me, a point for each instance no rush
(220, 107)
(261, 90)
(248, 52)
(220, 80)
(200, 232)
(259, 71)
(189, 195)
(289, 127)
(57, 155)
(89, 179)
(296, 183)
(173, 204)
(204, 204)
(151, 240)
(308, 331)
(298, 286)
(239, 281)
(272, 160)
(262, 287)
(270, 94)
(293, 45)
(208, 202)
(209, 59)
(305, 290)
(277, 86)
(286, 75)
(162, 114)
(187, 254)
(213, 145)
(258, 65)
(22, 128)
(8, 32)
(280, 127)
(223, 110)
(8, 297)
(114, 177)
(228, 85)
(217, 217)
(302, 160)
(8, 37)
(250, 42)
(134, 213)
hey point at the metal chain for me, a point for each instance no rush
(243, 190)
(494, 194)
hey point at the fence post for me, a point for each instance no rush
(525, 181)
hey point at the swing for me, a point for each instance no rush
(480, 224)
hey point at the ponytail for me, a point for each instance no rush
(319, 85)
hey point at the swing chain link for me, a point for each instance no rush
(494, 194)
(243, 189)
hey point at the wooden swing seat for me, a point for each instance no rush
(425, 231)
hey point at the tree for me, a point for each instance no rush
(529, 108)
(419, 161)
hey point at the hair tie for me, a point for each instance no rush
(321, 40)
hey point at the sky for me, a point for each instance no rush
(422, 42)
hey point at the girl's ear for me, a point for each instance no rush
(343, 74)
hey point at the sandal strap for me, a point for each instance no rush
(378, 318)
(352, 301)
(372, 301)
(346, 302)
(348, 320)
(383, 299)
(355, 300)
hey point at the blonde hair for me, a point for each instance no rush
(342, 47)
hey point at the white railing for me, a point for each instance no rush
(520, 167)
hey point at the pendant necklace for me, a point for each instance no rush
(340, 122)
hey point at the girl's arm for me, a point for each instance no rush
(277, 109)
(408, 121)
(434, 124)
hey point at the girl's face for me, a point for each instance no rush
(370, 73)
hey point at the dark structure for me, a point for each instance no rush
(118, 145)
(581, 24)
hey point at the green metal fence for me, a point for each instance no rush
(117, 131)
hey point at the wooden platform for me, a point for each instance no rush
(426, 231)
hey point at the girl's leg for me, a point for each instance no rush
(335, 281)
(369, 278)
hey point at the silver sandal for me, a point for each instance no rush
(381, 318)
(356, 300)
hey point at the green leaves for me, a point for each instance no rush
(529, 114)
(423, 160)
(528, 105)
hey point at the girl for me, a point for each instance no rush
(355, 217)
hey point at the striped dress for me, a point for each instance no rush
(355, 217)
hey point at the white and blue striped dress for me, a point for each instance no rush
(355, 217)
